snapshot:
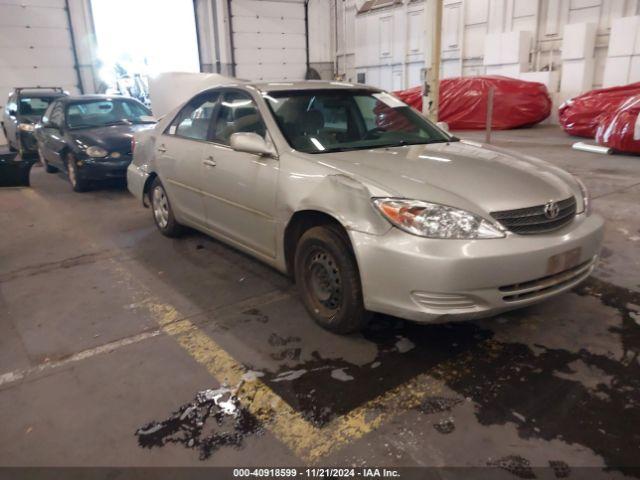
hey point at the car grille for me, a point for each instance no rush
(532, 220)
(545, 285)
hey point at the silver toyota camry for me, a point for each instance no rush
(368, 205)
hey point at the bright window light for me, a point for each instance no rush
(146, 36)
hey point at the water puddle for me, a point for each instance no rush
(213, 419)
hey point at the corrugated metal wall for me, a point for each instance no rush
(269, 39)
(389, 42)
(35, 46)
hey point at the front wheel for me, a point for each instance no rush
(328, 280)
(48, 168)
(77, 183)
(162, 211)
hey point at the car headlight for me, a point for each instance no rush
(432, 220)
(97, 152)
(27, 127)
(586, 197)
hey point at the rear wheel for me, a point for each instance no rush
(328, 280)
(77, 183)
(162, 211)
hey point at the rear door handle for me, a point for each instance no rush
(209, 162)
(162, 149)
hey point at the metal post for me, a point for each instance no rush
(432, 80)
(196, 20)
(489, 115)
(306, 35)
(74, 50)
(216, 35)
(231, 40)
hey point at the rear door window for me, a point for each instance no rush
(194, 120)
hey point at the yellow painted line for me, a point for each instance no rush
(307, 441)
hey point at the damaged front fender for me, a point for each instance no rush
(348, 201)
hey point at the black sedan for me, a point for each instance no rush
(24, 109)
(89, 137)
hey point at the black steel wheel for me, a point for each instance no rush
(77, 182)
(328, 280)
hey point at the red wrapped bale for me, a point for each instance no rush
(620, 130)
(463, 102)
(411, 96)
(580, 116)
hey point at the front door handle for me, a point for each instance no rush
(162, 149)
(209, 162)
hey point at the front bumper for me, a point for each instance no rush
(429, 280)
(107, 169)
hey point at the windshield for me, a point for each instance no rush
(34, 106)
(102, 113)
(338, 120)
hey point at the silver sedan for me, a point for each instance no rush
(368, 205)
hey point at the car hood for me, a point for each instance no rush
(465, 175)
(112, 138)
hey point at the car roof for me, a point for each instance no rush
(39, 93)
(308, 85)
(90, 98)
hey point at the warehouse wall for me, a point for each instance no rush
(37, 46)
(518, 38)
(265, 39)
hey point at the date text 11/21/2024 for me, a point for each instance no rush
(316, 473)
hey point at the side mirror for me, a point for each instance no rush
(443, 126)
(251, 143)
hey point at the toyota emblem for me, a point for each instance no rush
(551, 210)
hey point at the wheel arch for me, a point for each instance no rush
(147, 188)
(299, 223)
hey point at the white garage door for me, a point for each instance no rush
(269, 39)
(35, 46)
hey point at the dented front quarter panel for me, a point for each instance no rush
(307, 184)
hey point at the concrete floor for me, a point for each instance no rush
(106, 326)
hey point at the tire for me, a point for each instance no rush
(48, 168)
(162, 212)
(78, 184)
(328, 280)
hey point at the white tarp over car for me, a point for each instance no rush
(168, 90)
